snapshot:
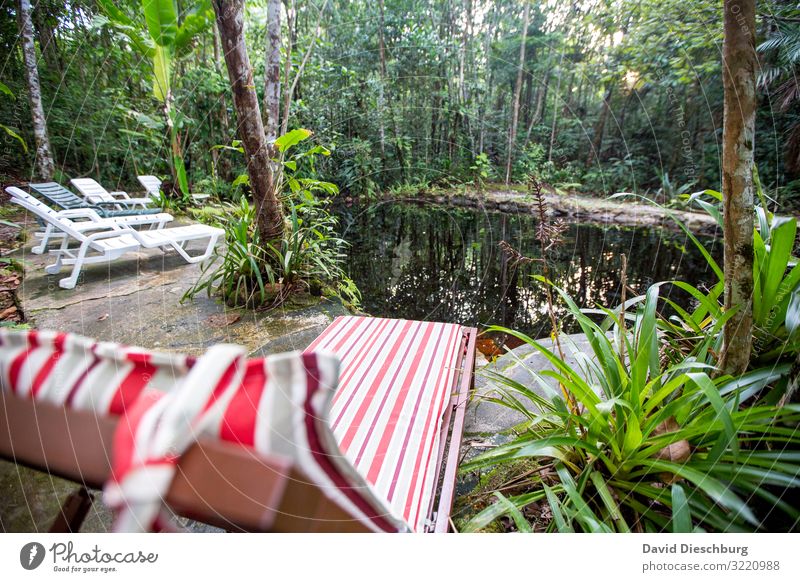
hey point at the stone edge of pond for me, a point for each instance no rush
(571, 207)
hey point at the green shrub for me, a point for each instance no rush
(655, 444)
(245, 272)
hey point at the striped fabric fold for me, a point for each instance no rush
(359, 412)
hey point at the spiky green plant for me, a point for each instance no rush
(657, 444)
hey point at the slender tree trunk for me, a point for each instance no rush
(291, 18)
(556, 97)
(47, 39)
(44, 158)
(512, 131)
(293, 88)
(738, 133)
(230, 21)
(272, 71)
(381, 96)
(600, 127)
(538, 115)
(222, 163)
(488, 73)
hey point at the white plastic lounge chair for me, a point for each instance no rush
(152, 184)
(94, 193)
(155, 221)
(111, 240)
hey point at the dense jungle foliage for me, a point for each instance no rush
(614, 96)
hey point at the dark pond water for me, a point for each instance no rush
(445, 264)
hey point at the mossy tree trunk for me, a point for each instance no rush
(739, 78)
(230, 22)
(45, 168)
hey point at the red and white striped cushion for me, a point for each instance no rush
(396, 376)
(394, 381)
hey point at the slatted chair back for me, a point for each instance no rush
(44, 213)
(151, 184)
(92, 190)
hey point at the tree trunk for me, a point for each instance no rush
(230, 21)
(47, 38)
(222, 163)
(272, 71)
(600, 127)
(44, 158)
(294, 89)
(291, 23)
(381, 96)
(738, 133)
(556, 97)
(512, 131)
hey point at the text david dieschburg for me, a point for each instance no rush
(694, 549)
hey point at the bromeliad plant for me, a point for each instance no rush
(310, 255)
(656, 444)
(776, 288)
(248, 273)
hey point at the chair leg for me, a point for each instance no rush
(72, 280)
(56, 267)
(73, 512)
(211, 243)
(39, 249)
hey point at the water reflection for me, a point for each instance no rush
(444, 264)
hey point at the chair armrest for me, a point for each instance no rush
(121, 195)
(89, 213)
(127, 202)
(114, 204)
(119, 231)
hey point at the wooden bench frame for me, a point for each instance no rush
(219, 483)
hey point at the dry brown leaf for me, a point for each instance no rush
(223, 319)
(677, 452)
(8, 312)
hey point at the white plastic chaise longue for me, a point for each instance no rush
(110, 240)
(152, 184)
(156, 220)
(94, 193)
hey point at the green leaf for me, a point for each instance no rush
(162, 21)
(16, 136)
(162, 65)
(514, 513)
(241, 179)
(715, 489)
(291, 139)
(681, 514)
(793, 312)
(180, 170)
(126, 26)
(4, 89)
(194, 22)
(712, 394)
(608, 501)
(782, 238)
(633, 435)
(555, 507)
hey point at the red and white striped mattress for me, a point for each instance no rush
(371, 443)
(396, 377)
